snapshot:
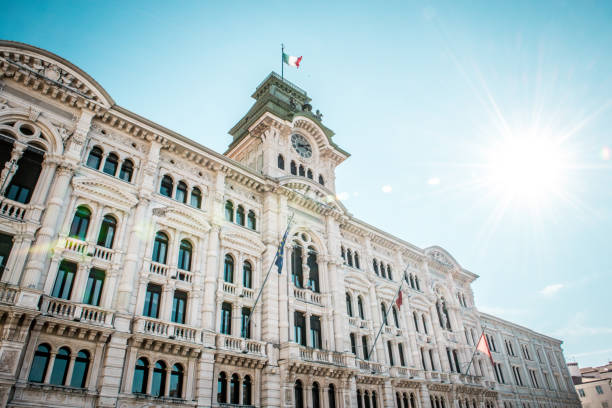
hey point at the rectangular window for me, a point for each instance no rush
(152, 298)
(450, 359)
(6, 243)
(423, 359)
(456, 359)
(299, 327)
(353, 344)
(245, 329)
(364, 346)
(390, 350)
(64, 280)
(431, 360)
(226, 318)
(315, 332)
(179, 304)
(400, 350)
(599, 389)
(93, 290)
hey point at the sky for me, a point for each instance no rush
(481, 127)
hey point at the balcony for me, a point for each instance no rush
(371, 367)
(247, 293)
(405, 372)
(80, 248)
(171, 331)
(308, 296)
(8, 294)
(393, 331)
(240, 345)
(229, 288)
(322, 356)
(158, 269)
(12, 210)
(65, 309)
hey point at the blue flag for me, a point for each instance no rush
(280, 252)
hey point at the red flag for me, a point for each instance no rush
(483, 347)
(398, 301)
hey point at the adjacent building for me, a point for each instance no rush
(593, 385)
(132, 258)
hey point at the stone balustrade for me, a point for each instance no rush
(240, 345)
(308, 296)
(12, 209)
(173, 331)
(66, 309)
(8, 293)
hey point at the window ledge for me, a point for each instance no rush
(98, 171)
(53, 387)
(174, 201)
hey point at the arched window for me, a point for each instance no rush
(349, 257)
(95, 158)
(141, 376)
(228, 269)
(167, 186)
(302, 172)
(196, 198)
(251, 221)
(398, 401)
(80, 223)
(229, 211)
(181, 192)
(107, 231)
(127, 169)
(343, 253)
(293, 168)
(40, 363)
(222, 388)
(360, 308)
(316, 397)
(299, 394)
(160, 248)
(389, 275)
(349, 305)
(395, 318)
(246, 390)
(158, 385)
(60, 367)
(416, 281)
(331, 396)
(366, 399)
(406, 401)
(235, 389)
(111, 164)
(383, 310)
(176, 381)
(79, 372)
(26, 177)
(356, 256)
(359, 401)
(374, 400)
(375, 265)
(309, 174)
(247, 274)
(281, 162)
(296, 266)
(184, 259)
(240, 215)
(412, 401)
(321, 181)
(382, 270)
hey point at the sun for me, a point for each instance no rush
(527, 168)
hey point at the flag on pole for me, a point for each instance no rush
(398, 301)
(291, 60)
(483, 347)
(280, 253)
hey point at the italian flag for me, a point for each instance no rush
(291, 60)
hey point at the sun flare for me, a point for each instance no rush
(527, 169)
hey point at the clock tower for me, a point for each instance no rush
(281, 137)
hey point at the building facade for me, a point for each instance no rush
(593, 385)
(132, 258)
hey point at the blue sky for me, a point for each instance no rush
(418, 93)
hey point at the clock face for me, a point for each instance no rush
(301, 145)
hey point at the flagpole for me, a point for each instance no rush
(475, 350)
(385, 317)
(248, 320)
(282, 63)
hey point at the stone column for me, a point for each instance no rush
(274, 222)
(35, 265)
(210, 278)
(113, 364)
(424, 396)
(206, 381)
